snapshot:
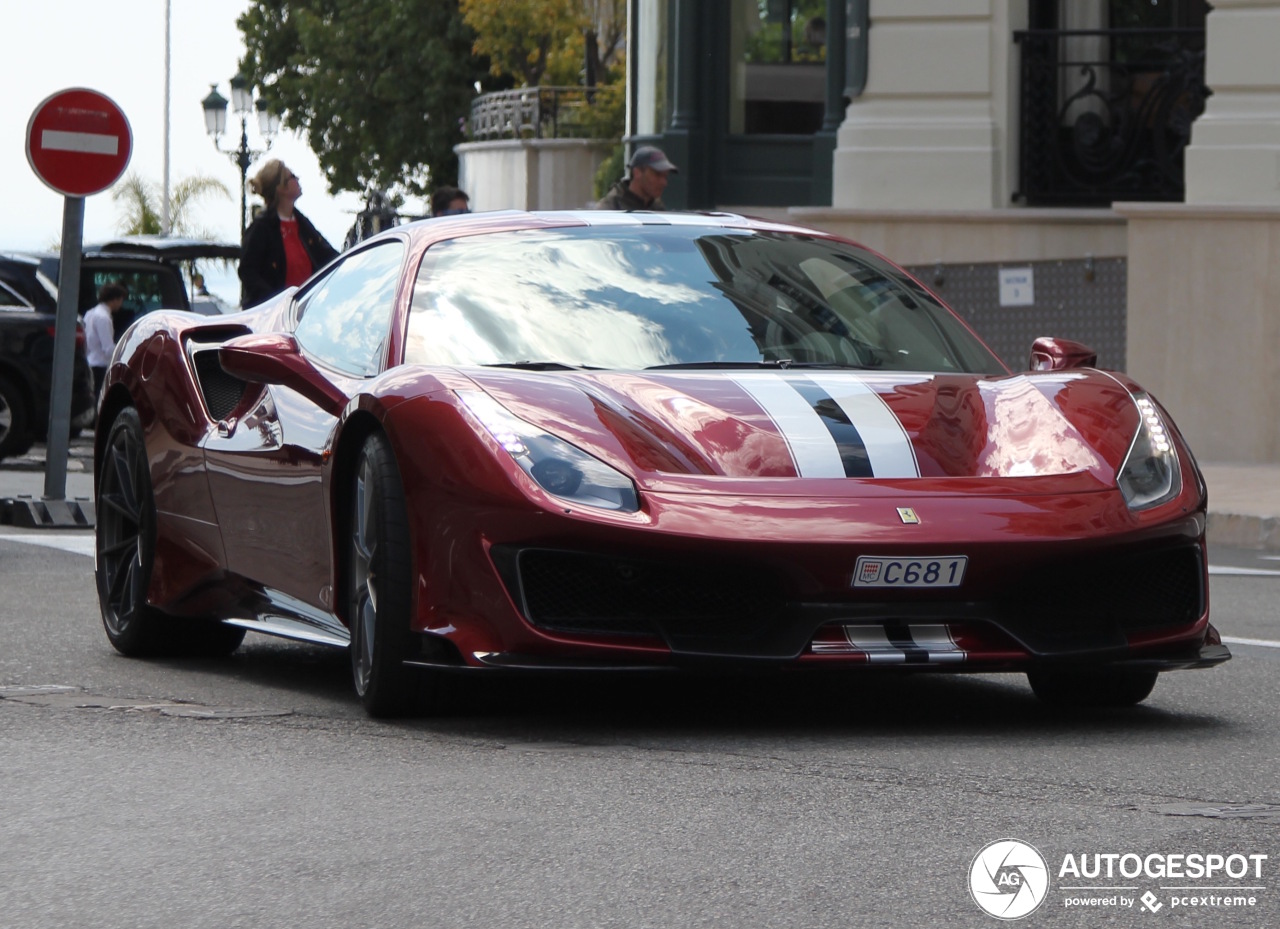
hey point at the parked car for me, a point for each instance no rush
(26, 374)
(25, 283)
(150, 267)
(513, 441)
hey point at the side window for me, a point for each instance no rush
(10, 297)
(345, 317)
(147, 289)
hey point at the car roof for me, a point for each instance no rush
(161, 248)
(164, 248)
(436, 229)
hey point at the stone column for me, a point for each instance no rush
(824, 140)
(923, 135)
(1234, 155)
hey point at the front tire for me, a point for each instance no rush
(379, 584)
(125, 556)
(1091, 689)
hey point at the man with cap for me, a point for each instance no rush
(642, 189)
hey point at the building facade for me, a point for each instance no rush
(1126, 152)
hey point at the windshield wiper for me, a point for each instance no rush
(541, 366)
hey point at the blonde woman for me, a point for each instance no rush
(281, 248)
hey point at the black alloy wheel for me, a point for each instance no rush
(379, 585)
(126, 541)
(1091, 689)
(15, 431)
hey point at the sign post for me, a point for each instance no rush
(78, 142)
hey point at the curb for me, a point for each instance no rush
(1238, 530)
(29, 513)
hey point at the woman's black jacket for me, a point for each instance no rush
(262, 261)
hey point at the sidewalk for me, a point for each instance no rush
(1244, 505)
(1244, 500)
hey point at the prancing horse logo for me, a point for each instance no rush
(908, 516)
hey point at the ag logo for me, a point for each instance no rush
(1008, 879)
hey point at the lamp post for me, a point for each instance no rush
(215, 123)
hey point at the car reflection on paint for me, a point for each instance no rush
(593, 440)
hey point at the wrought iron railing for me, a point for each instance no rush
(531, 113)
(1107, 113)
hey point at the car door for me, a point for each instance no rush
(265, 471)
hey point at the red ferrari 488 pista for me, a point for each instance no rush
(602, 440)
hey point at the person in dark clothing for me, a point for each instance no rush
(281, 248)
(642, 188)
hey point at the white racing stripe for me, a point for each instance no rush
(937, 641)
(873, 641)
(92, 143)
(812, 449)
(888, 447)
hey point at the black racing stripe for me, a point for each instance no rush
(853, 451)
(899, 636)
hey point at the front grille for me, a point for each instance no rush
(1144, 591)
(1061, 606)
(222, 392)
(577, 592)
(1075, 605)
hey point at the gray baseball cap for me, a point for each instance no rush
(646, 156)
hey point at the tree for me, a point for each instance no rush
(563, 40)
(381, 88)
(520, 35)
(143, 204)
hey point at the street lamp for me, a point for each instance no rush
(215, 123)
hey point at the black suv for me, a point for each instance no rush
(26, 372)
(149, 267)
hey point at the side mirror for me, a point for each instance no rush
(1059, 354)
(275, 359)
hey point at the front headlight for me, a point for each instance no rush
(558, 467)
(1150, 474)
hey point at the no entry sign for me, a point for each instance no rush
(78, 142)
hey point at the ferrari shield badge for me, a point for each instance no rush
(908, 516)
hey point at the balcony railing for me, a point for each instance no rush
(1107, 113)
(531, 113)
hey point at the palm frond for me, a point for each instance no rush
(142, 202)
(142, 214)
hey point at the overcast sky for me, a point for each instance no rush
(117, 48)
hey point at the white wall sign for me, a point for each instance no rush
(1017, 287)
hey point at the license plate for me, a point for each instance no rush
(882, 571)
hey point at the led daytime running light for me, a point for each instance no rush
(1159, 438)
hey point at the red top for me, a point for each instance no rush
(297, 261)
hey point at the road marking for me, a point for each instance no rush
(1261, 643)
(1243, 572)
(78, 543)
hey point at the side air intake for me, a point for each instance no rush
(222, 392)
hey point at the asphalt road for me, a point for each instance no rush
(253, 791)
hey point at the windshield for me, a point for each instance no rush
(662, 296)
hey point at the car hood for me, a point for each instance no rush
(832, 424)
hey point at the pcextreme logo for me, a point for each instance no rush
(1008, 879)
